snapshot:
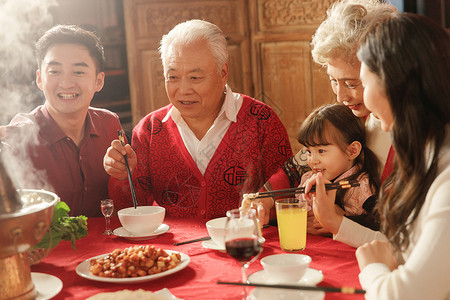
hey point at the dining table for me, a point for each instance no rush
(198, 280)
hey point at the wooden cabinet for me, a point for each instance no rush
(285, 76)
(269, 45)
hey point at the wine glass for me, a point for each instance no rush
(107, 206)
(242, 238)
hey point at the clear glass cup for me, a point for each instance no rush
(107, 207)
(243, 239)
(291, 219)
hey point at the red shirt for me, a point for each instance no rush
(75, 174)
(253, 148)
(389, 165)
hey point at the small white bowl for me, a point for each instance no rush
(142, 219)
(216, 230)
(285, 268)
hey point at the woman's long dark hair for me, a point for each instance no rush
(411, 56)
(335, 123)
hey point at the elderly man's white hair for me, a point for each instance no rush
(192, 31)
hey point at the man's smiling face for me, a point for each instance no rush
(69, 79)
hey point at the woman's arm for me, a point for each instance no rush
(426, 271)
(343, 229)
(376, 252)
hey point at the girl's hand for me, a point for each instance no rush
(308, 185)
(323, 204)
(376, 252)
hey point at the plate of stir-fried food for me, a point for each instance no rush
(133, 264)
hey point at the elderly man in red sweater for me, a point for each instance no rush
(199, 154)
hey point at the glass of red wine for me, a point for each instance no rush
(243, 239)
(107, 207)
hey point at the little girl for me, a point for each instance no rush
(335, 140)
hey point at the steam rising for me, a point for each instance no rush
(22, 22)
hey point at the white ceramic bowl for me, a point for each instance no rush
(141, 220)
(216, 230)
(285, 268)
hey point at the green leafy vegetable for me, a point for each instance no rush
(63, 227)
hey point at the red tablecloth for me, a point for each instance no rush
(198, 280)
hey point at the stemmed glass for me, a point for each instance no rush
(107, 206)
(243, 239)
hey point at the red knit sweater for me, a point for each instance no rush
(252, 149)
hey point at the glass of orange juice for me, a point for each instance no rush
(291, 218)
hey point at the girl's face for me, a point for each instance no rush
(375, 97)
(330, 160)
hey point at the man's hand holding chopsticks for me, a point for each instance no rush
(114, 160)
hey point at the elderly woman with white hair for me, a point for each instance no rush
(334, 46)
(405, 64)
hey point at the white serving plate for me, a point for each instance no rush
(83, 271)
(46, 285)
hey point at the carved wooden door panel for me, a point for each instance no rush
(285, 76)
(146, 21)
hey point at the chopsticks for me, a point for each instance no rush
(205, 238)
(328, 289)
(133, 192)
(343, 184)
(193, 241)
